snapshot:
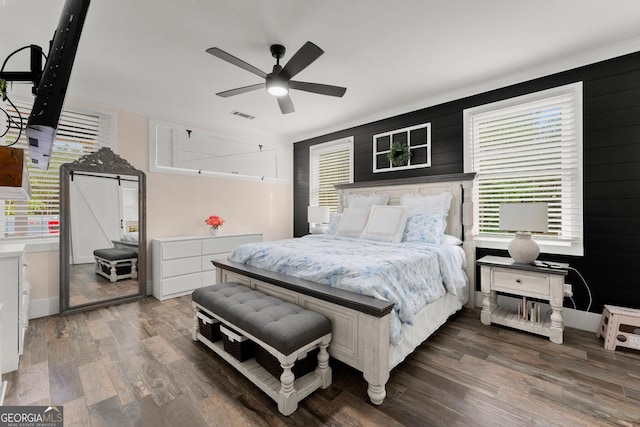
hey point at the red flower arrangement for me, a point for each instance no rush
(214, 221)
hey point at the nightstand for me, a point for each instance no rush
(542, 283)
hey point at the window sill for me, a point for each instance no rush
(48, 244)
(546, 247)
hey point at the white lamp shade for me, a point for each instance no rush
(318, 214)
(524, 217)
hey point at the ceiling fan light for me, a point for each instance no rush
(276, 86)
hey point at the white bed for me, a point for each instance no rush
(364, 334)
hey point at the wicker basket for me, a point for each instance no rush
(237, 345)
(272, 365)
(209, 326)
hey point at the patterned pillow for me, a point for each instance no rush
(428, 228)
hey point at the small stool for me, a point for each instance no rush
(620, 326)
(116, 264)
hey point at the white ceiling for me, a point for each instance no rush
(393, 56)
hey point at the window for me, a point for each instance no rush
(79, 133)
(528, 149)
(329, 164)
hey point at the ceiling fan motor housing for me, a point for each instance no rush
(277, 51)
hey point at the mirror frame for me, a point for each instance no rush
(102, 161)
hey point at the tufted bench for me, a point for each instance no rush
(286, 331)
(116, 264)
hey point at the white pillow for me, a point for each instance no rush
(419, 204)
(362, 201)
(385, 223)
(334, 222)
(448, 239)
(352, 222)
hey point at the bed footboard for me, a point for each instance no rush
(360, 324)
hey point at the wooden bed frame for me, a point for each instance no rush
(360, 324)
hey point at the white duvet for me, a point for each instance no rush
(409, 274)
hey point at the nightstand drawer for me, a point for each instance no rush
(519, 282)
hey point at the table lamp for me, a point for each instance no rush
(523, 218)
(318, 218)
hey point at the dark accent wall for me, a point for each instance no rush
(611, 264)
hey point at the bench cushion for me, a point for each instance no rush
(113, 254)
(282, 325)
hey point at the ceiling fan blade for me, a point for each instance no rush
(286, 105)
(236, 61)
(318, 88)
(238, 91)
(300, 60)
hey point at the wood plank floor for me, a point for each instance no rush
(136, 365)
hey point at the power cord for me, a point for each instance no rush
(586, 285)
(3, 92)
(548, 264)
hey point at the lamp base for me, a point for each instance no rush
(523, 249)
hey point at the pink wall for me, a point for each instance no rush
(178, 205)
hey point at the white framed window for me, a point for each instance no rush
(330, 163)
(528, 149)
(79, 132)
(406, 148)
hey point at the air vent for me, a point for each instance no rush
(244, 115)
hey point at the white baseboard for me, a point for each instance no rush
(43, 307)
(578, 319)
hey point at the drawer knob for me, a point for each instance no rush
(518, 281)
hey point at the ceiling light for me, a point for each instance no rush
(277, 86)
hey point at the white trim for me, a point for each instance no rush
(43, 307)
(325, 147)
(569, 187)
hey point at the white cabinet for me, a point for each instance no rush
(182, 264)
(14, 297)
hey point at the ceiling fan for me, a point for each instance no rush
(278, 82)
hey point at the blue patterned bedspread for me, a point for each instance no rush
(409, 274)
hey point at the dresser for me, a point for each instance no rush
(14, 297)
(182, 264)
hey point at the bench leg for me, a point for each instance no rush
(134, 269)
(287, 404)
(196, 323)
(323, 369)
(113, 277)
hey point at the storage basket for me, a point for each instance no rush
(209, 326)
(236, 345)
(272, 365)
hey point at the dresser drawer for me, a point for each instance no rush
(185, 249)
(181, 284)
(176, 267)
(520, 282)
(227, 243)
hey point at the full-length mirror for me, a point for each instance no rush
(102, 232)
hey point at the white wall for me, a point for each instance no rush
(176, 205)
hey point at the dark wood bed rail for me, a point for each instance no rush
(363, 303)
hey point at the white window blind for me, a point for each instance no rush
(79, 133)
(529, 149)
(330, 164)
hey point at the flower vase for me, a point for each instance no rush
(213, 231)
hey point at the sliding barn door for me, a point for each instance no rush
(97, 214)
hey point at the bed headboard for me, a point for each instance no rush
(459, 185)
(460, 219)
